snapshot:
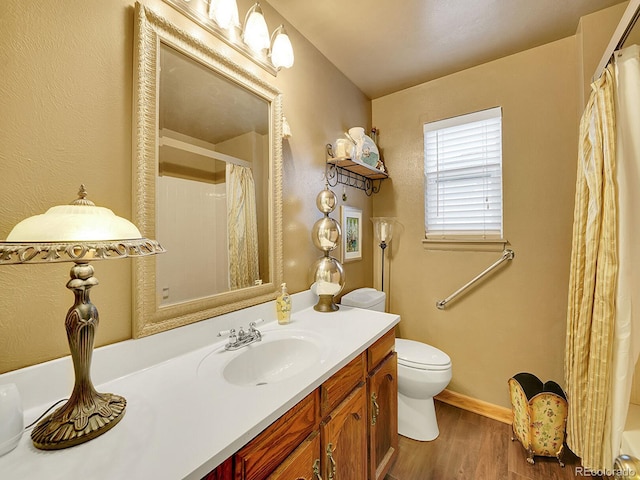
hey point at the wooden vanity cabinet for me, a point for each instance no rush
(347, 429)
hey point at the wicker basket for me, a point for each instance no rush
(539, 416)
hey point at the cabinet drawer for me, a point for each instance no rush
(302, 463)
(264, 453)
(335, 389)
(379, 350)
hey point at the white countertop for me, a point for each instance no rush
(182, 421)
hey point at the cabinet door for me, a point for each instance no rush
(303, 463)
(344, 439)
(383, 417)
(261, 456)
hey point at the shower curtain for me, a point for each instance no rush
(592, 281)
(627, 332)
(601, 345)
(242, 227)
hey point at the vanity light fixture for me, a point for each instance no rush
(281, 49)
(220, 17)
(80, 232)
(224, 13)
(383, 232)
(256, 33)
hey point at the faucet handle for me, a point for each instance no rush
(252, 325)
(223, 333)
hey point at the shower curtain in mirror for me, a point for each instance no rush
(601, 326)
(242, 227)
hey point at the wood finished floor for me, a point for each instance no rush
(471, 446)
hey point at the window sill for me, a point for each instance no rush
(494, 245)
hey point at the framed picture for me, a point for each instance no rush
(351, 233)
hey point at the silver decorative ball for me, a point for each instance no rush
(328, 275)
(326, 234)
(326, 201)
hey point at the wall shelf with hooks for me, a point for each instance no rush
(355, 174)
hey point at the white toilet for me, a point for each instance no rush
(423, 372)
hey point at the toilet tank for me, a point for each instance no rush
(368, 298)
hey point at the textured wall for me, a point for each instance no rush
(515, 320)
(594, 32)
(65, 98)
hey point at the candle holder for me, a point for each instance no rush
(383, 232)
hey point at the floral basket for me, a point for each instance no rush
(539, 416)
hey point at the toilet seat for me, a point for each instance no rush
(421, 356)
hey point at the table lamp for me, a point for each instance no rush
(80, 232)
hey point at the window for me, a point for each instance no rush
(463, 177)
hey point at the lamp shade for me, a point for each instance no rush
(383, 228)
(74, 223)
(281, 50)
(256, 33)
(79, 231)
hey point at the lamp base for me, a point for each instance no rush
(87, 414)
(325, 304)
(81, 419)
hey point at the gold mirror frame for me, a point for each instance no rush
(148, 317)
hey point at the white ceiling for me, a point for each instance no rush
(387, 45)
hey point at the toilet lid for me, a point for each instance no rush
(420, 355)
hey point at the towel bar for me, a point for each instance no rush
(506, 255)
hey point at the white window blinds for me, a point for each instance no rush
(463, 176)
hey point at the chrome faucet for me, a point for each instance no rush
(242, 337)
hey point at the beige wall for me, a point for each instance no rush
(515, 319)
(65, 98)
(593, 34)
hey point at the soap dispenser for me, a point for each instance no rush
(283, 306)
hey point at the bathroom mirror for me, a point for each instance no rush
(207, 180)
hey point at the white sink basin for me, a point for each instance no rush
(277, 357)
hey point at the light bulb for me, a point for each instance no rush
(281, 50)
(224, 13)
(256, 33)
